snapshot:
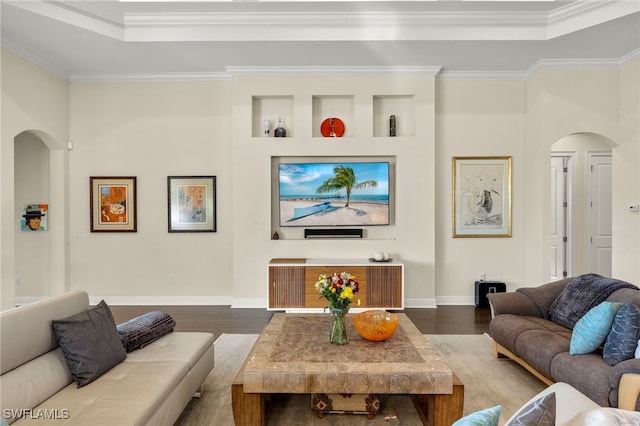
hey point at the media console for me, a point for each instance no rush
(291, 282)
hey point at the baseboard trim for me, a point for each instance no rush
(456, 300)
(420, 303)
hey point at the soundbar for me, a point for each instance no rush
(333, 233)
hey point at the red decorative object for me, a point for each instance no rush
(332, 127)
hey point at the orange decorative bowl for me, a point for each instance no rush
(375, 325)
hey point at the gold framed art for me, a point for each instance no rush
(481, 197)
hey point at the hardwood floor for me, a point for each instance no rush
(223, 319)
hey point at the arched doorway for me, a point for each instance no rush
(581, 170)
(40, 179)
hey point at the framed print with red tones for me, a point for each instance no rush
(113, 204)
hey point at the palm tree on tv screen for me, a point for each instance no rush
(345, 178)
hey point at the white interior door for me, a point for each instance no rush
(559, 205)
(600, 209)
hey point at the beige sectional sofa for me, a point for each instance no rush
(152, 385)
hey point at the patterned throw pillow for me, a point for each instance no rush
(622, 340)
(592, 329)
(541, 412)
(486, 417)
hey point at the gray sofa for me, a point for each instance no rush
(524, 329)
(152, 385)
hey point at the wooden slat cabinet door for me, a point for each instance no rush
(287, 287)
(384, 286)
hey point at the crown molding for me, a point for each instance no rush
(332, 71)
(133, 77)
(542, 65)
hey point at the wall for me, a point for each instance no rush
(151, 130)
(411, 239)
(562, 102)
(477, 118)
(33, 100)
(155, 129)
(626, 177)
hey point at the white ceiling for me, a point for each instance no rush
(92, 40)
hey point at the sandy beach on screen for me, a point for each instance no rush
(357, 213)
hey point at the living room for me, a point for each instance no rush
(147, 92)
(63, 130)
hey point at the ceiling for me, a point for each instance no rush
(122, 40)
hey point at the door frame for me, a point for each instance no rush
(570, 197)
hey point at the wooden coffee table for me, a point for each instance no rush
(293, 355)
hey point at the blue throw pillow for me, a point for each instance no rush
(622, 340)
(487, 417)
(592, 329)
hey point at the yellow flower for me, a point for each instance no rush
(358, 302)
(333, 290)
(347, 293)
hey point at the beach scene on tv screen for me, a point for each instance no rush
(334, 194)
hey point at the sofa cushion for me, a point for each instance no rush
(540, 412)
(581, 295)
(144, 329)
(486, 417)
(28, 327)
(184, 347)
(592, 329)
(587, 373)
(33, 382)
(605, 416)
(539, 347)
(622, 340)
(128, 394)
(506, 329)
(90, 343)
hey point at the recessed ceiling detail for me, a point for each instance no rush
(100, 38)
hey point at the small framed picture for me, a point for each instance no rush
(113, 204)
(192, 203)
(34, 217)
(481, 197)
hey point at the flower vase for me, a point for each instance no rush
(338, 334)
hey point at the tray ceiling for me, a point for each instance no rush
(208, 39)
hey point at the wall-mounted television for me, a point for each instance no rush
(349, 193)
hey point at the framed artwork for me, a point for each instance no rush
(113, 204)
(34, 217)
(481, 197)
(192, 203)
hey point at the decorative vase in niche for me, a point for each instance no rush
(338, 334)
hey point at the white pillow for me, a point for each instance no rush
(605, 416)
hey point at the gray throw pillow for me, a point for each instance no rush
(541, 412)
(90, 343)
(623, 338)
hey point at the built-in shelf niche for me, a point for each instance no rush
(402, 106)
(270, 108)
(337, 106)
